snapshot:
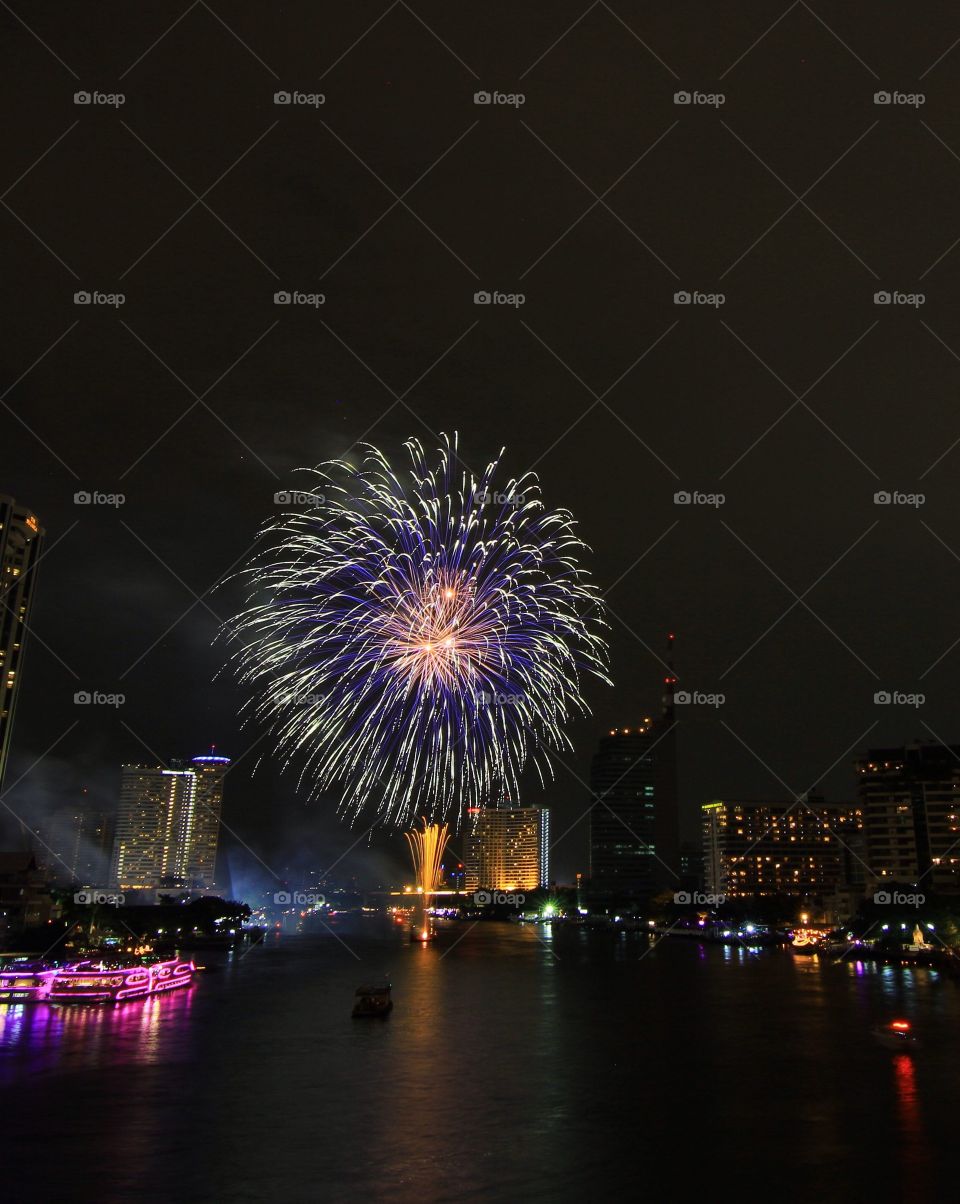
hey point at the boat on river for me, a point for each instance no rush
(26, 980)
(897, 1036)
(113, 979)
(373, 1002)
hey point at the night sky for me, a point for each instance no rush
(598, 199)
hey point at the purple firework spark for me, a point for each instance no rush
(414, 639)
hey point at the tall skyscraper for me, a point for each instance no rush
(634, 813)
(910, 798)
(800, 849)
(21, 538)
(204, 833)
(75, 844)
(507, 848)
(168, 824)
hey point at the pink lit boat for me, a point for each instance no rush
(108, 981)
(24, 981)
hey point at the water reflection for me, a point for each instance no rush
(914, 1144)
(43, 1036)
(738, 952)
(514, 1066)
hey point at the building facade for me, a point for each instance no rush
(910, 798)
(623, 788)
(21, 539)
(25, 900)
(168, 824)
(507, 848)
(201, 843)
(75, 844)
(799, 849)
(634, 808)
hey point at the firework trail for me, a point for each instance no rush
(414, 639)
(427, 845)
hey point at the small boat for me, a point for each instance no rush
(26, 981)
(113, 980)
(896, 1036)
(373, 1001)
(422, 936)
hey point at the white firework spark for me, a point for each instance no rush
(413, 641)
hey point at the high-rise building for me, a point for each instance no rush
(25, 900)
(507, 848)
(204, 834)
(21, 537)
(691, 865)
(168, 824)
(799, 849)
(910, 798)
(75, 844)
(634, 812)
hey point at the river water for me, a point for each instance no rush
(518, 1064)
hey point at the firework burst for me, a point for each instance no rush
(414, 639)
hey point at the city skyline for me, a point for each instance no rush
(635, 836)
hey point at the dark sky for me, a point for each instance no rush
(798, 199)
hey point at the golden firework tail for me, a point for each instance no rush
(427, 846)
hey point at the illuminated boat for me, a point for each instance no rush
(25, 981)
(113, 981)
(896, 1036)
(373, 1002)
